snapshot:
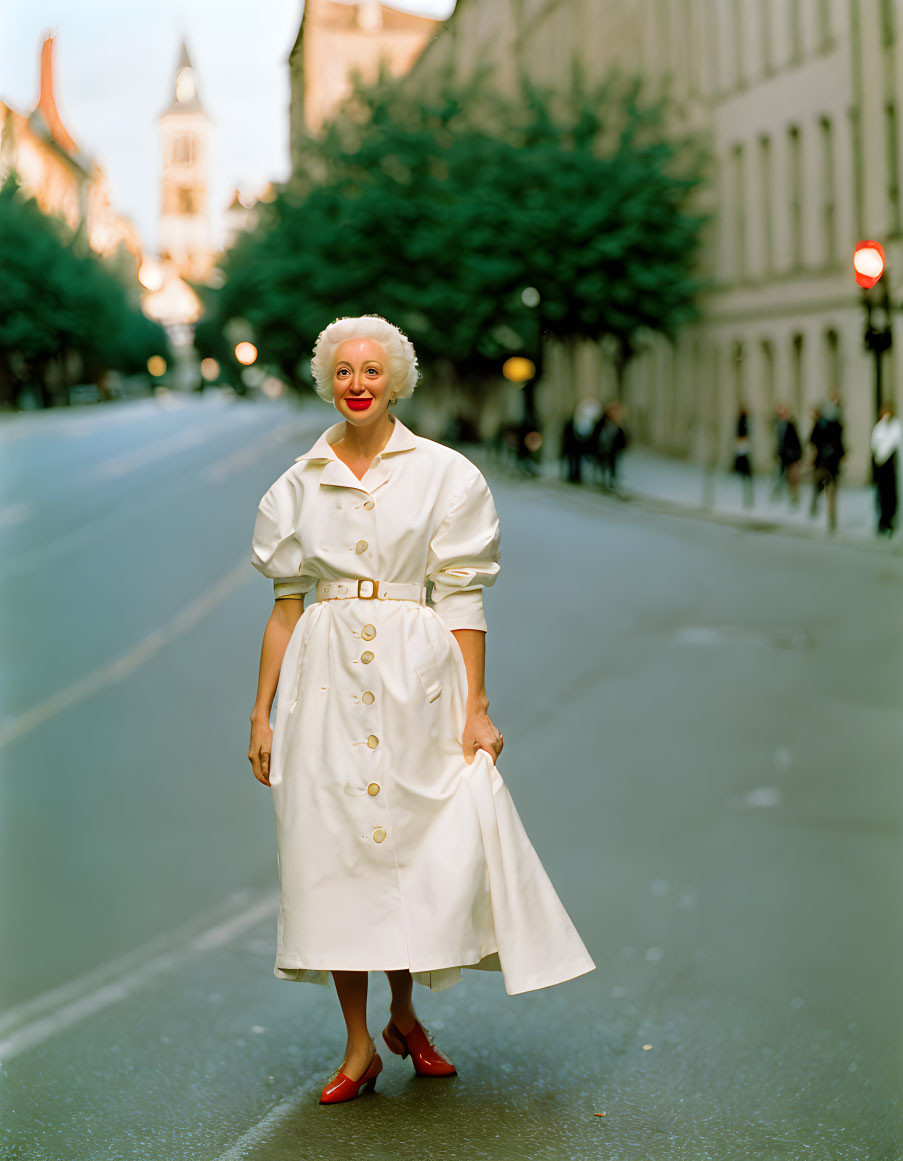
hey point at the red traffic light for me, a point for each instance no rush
(868, 263)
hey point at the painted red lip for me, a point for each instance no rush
(358, 404)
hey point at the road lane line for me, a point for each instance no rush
(16, 725)
(125, 981)
(258, 1133)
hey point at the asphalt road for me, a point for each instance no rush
(703, 738)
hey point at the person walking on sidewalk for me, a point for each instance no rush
(577, 439)
(885, 443)
(742, 464)
(826, 442)
(789, 454)
(610, 440)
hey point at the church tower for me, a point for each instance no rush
(185, 232)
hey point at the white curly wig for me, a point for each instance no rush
(400, 357)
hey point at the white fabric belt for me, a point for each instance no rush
(368, 589)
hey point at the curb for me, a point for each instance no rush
(666, 507)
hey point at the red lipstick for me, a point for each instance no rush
(358, 404)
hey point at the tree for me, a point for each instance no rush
(439, 214)
(61, 307)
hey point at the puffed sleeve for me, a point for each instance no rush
(464, 555)
(276, 549)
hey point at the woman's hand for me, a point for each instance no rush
(260, 749)
(480, 734)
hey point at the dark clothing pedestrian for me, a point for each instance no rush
(885, 443)
(827, 440)
(610, 440)
(788, 453)
(742, 464)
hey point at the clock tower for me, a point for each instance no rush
(185, 233)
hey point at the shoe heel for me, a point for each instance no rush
(394, 1044)
(370, 1085)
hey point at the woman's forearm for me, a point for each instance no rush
(473, 648)
(285, 615)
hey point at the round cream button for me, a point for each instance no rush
(368, 632)
(367, 657)
(379, 834)
(373, 741)
(361, 546)
(373, 788)
(367, 697)
(368, 504)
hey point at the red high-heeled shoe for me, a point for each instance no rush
(418, 1043)
(340, 1087)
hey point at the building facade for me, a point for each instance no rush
(336, 39)
(64, 180)
(800, 101)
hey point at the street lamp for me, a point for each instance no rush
(869, 266)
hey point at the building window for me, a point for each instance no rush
(825, 30)
(832, 360)
(736, 18)
(796, 382)
(737, 360)
(796, 31)
(739, 192)
(828, 190)
(769, 401)
(765, 196)
(795, 176)
(183, 150)
(765, 23)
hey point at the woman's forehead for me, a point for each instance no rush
(361, 348)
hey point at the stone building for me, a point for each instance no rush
(61, 176)
(800, 100)
(337, 38)
(185, 235)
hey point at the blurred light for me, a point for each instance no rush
(518, 369)
(532, 441)
(150, 275)
(209, 369)
(156, 365)
(868, 263)
(272, 387)
(647, 1047)
(246, 353)
(530, 296)
(216, 278)
(253, 377)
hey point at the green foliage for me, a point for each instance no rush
(57, 297)
(438, 213)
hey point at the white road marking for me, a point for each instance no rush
(115, 981)
(18, 724)
(258, 1133)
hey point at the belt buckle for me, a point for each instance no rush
(371, 596)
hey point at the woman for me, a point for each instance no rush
(399, 848)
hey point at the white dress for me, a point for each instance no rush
(393, 850)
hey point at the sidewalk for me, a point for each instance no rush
(664, 484)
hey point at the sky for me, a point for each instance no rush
(114, 71)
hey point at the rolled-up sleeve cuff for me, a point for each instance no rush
(461, 609)
(292, 587)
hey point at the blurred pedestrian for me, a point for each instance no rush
(885, 443)
(610, 440)
(789, 454)
(826, 442)
(742, 463)
(576, 438)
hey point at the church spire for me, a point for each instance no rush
(185, 86)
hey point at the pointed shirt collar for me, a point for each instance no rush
(336, 471)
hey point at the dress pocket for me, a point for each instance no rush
(423, 656)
